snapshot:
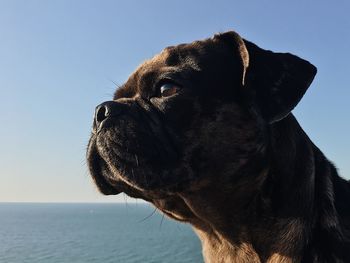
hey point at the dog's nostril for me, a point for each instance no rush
(105, 110)
(102, 113)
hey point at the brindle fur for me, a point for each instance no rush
(225, 154)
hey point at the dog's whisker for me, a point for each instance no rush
(147, 217)
(125, 197)
(161, 221)
(115, 83)
(132, 174)
(137, 160)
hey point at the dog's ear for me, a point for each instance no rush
(237, 45)
(277, 81)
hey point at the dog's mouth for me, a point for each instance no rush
(132, 157)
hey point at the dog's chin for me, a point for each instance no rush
(106, 180)
(100, 172)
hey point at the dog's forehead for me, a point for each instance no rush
(170, 59)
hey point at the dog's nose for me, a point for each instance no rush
(105, 110)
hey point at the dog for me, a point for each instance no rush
(204, 131)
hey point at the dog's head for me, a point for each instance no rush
(192, 118)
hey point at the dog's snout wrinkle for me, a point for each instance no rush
(152, 119)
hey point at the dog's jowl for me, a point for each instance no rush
(204, 131)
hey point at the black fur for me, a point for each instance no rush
(224, 153)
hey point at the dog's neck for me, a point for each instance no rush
(218, 248)
(263, 217)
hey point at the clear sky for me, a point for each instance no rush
(59, 59)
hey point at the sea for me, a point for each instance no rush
(107, 233)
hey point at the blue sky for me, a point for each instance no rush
(59, 59)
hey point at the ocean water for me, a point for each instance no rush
(50, 233)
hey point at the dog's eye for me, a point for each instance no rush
(168, 89)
